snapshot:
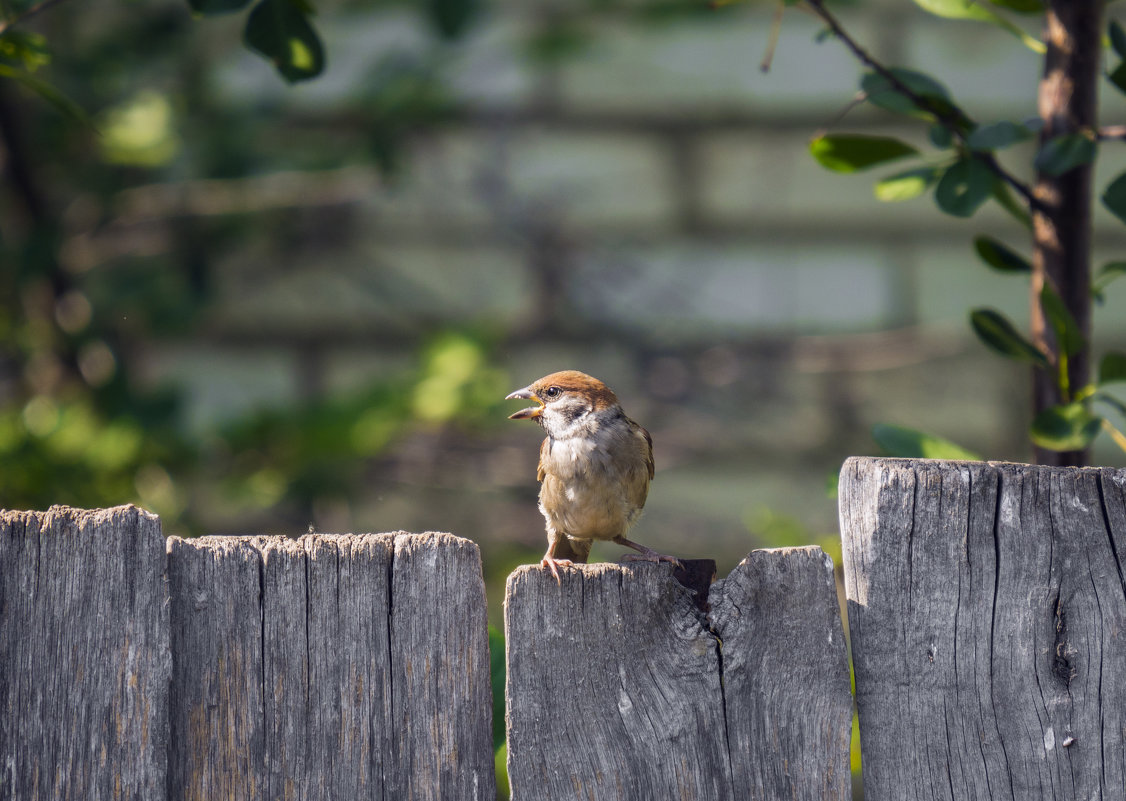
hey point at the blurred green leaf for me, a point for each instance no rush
(997, 135)
(1068, 335)
(881, 92)
(909, 443)
(1117, 76)
(1069, 427)
(906, 185)
(1021, 6)
(216, 7)
(1117, 38)
(280, 31)
(24, 48)
(973, 10)
(964, 187)
(1105, 276)
(1112, 368)
(1066, 152)
(451, 18)
(1009, 202)
(994, 329)
(1114, 197)
(940, 136)
(49, 93)
(999, 256)
(849, 153)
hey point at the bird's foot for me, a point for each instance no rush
(550, 562)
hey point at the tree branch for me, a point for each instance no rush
(41, 6)
(944, 117)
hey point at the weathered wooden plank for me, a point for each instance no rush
(786, 686)
(301, 668)
(84, 663)
(441, 692)
(618, 686)
(988, 616)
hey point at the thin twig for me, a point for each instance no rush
(42, 5)
(1112, 132)
(943, 116)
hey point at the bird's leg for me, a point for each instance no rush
(549, 561)
(644, 553)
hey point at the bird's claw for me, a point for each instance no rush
(550, 563)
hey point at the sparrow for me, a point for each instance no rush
(594, 470)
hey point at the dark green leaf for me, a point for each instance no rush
(1000, 257)
(1114, 197)
(997, 135)
(452, 17)
(1117, 38)
(909, 443)
(49, 93)
(1066, 152)
(213, 7)
(940, 136)
(964, 187)
(280, 31)
(1118, 77)
(994, 329)
(1108, 273)
(1068, 335)
(906, 185)
(972, 9)
(1112, 368)
(1021, 6)
(1070, 427)
(882, 92)
(1008, 201)
(848, 153)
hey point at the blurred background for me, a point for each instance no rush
(254, 307)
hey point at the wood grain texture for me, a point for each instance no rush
(331, 666)
(618, 686)
(988, 621)
(84, 664)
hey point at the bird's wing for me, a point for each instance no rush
(648, 451)
(545, 448)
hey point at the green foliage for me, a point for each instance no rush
(995, 331)
(1114, 197)
(1000, 257)
(907, 184)
(1068, 427)
(496, 677)
(1064, 153)
(881, 92)
(909, 443)
(844, 153)
(964, 187)
(280, 31)
(998, 135)
(973, 10)
(1112, 368)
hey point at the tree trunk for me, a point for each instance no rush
(1062, 220)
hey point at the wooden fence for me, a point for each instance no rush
(986, 604)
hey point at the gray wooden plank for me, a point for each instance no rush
(329, 695)
(440, 686)
(618, 686)
(987, 612)
(217, 708)
(84, 665)
(785, 676)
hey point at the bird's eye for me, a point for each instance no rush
(552, 392)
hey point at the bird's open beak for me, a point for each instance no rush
(532, 412)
